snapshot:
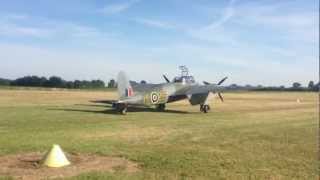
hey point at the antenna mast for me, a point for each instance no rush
(184, 71)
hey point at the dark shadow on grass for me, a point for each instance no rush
(107, 111)
(94, 105)
(145, 109)
(108, 104)
(99, 103)
(112, 111)
(104, 101)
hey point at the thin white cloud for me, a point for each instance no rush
(12, 16)
(32, 27)
(285, 22)
(226, 15)
(154, 23)
(244, 65)
(118, 7)
(18, 30)
(296, 25)
(75, 30)
(215, 31)
(18, 25)
(42, 61)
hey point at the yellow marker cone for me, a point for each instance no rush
(55, 157)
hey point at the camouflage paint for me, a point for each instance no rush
(156, 97)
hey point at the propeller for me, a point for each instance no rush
(206, 83)
(222, 80)
(220, 96)
(165, 77)
(219, 83)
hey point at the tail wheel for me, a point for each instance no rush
(204, 108)
(123, 111)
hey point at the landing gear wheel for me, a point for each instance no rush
(121, 108)
(204, 108)
(161, 107)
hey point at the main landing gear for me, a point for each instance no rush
(204, 108)
(161, 107)
(121, 108)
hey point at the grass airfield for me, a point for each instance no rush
(252, 135)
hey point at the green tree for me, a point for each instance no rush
(29, 81)
(311, 85)
(55, 81)
(112, 83)
(5, 82)
(296, 85)
(97, 84)
(143, 82)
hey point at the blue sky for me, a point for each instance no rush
(267, 42)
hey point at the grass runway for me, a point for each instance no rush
(252, 135)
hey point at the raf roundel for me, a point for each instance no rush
(154, 97)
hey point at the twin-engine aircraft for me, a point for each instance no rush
(182, 87)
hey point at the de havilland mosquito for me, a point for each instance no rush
(158, 95)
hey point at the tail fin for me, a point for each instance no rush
(124, 88)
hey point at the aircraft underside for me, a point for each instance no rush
(123, 107)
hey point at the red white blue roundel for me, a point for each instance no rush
(154, 97)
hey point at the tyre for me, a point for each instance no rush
(204, 108)
(161, 107)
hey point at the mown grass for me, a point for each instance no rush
(265, 135)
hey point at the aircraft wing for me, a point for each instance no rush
(143, 87)
(203, 89)
(199, 94)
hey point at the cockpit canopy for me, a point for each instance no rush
(184, 79)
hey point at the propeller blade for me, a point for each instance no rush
(222, 80)
(220, 96)
(206, 83)
(165, 77)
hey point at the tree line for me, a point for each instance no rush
(55, 82)
(296, 86)
(58, 82)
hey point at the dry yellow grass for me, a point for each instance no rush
(252, 135)
(52, 97)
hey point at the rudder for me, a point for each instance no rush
(124, 88)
